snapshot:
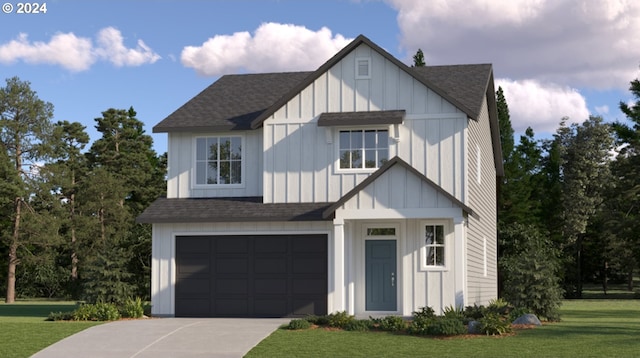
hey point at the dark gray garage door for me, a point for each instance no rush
(251, 276)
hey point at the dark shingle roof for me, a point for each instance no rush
(230, 103)
(466, 83)
(360, 118)
(240, 209)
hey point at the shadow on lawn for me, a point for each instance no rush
(33, 310)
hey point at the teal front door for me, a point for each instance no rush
(381, 279)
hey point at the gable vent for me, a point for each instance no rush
(363, 68)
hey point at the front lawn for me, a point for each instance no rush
(589, 328)
(24, 331)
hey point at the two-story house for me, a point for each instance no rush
(364, 186)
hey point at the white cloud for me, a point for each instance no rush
(602, 110)
(77, 53)
(577, 43)
(66, 50)
(273, 47)
(542, 105)
(111, 48)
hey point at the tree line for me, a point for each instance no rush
(67, 210)
(568, 206)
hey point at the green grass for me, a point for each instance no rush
(24, 331)
(589, 328)
(614, 291)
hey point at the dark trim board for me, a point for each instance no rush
(251, 276)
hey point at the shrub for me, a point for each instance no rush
(391, 323)
(446, 326)
(424, 312)
(299, 324)
(85, 312)
(420, 325)
(360, 325)
(107, 312)
(132, 308)
(494, 325)
(454, 312)
(531, 269)
(474, 312)
(318, 320)
(60, 316)
(96, 312)
(500, 307)
(340, 319)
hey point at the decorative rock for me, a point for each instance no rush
(527, 319)
(473, 327)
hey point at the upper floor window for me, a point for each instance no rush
(363, 148)
(218, 160)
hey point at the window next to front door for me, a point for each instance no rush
(434, 245)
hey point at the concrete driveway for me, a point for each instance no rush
(166, 337)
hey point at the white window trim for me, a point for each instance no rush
(242, 184)
(368, 75)
(448, 244)
(336, 142)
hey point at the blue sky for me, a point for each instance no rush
(553, 58)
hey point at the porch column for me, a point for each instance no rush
(460, 277)
(338, 266)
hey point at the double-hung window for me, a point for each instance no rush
(433, 242)
(363, 148)
(218, 160)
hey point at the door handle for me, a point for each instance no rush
(393, 279)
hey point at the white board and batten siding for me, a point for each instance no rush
(482, 235)
(301, 159)
(400, 199)
(181, 160)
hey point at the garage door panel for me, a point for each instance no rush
(194, 244)
(309, 244)
(193, 307)
(194, 287)
(232, 265)
(270, 286)
(309, 265)
(231, 244)
(271, 265)
(270, 307)
(308, 286)
(232, 286)
(232, 307)
(251, 276)
(194, 265)
(271, 245)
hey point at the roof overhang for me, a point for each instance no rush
(361, 118)
(238, 209)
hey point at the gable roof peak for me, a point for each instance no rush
(359, 40)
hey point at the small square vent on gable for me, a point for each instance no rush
(363, 68)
